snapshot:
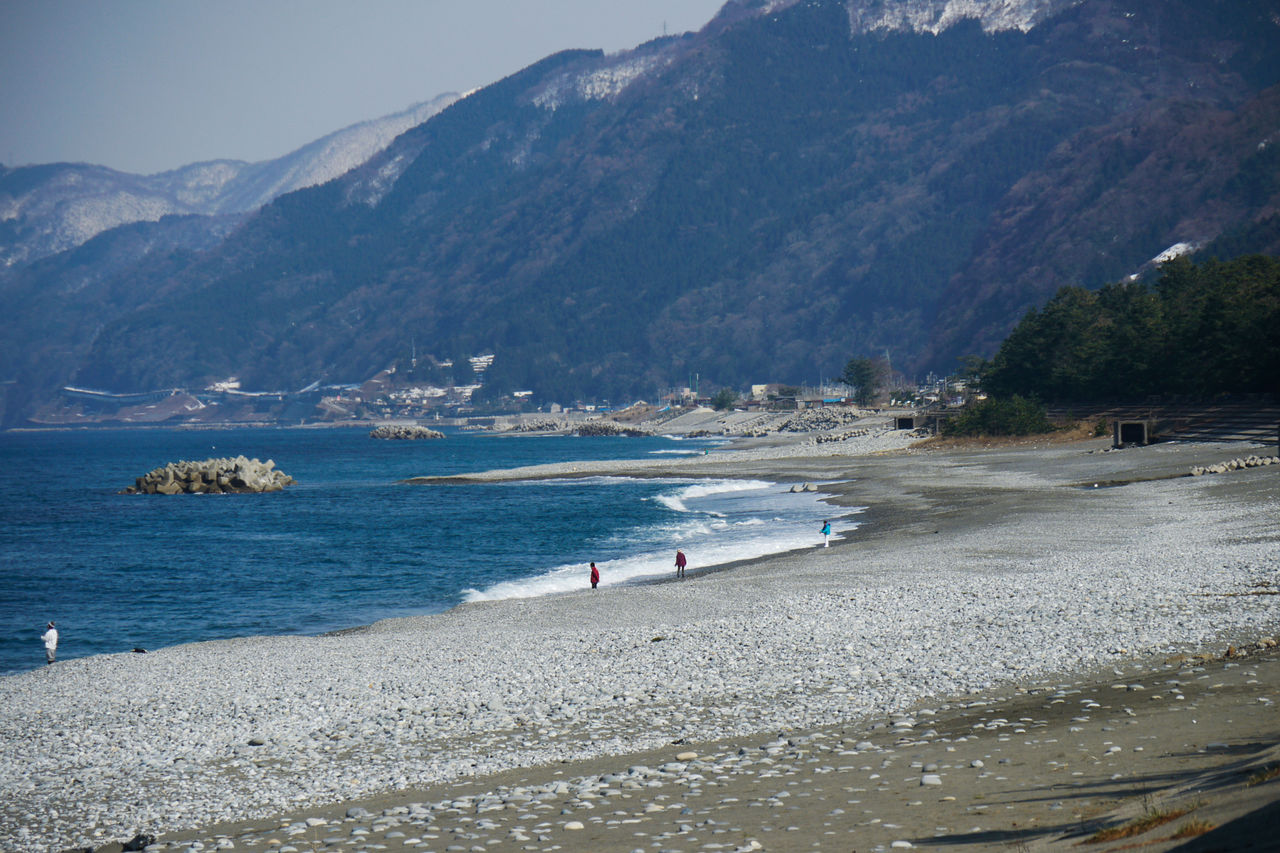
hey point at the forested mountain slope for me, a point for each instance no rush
(758, 201)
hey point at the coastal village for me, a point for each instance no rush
(386, 396)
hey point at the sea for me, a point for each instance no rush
(348, 544)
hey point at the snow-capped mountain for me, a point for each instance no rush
(763, 198)
(920, 16)
(47, 209)
(934, 16)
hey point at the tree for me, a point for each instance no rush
(724, 399)
(1201, 329)
(864, 376)
(1012, 416)
(972, 370)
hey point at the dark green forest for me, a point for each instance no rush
(1200, 329)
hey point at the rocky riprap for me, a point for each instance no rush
(538, 425)
(829, 417)
(609, 428)
(805, 420)
(827, 437)
(212, 476)
(1234, 465)
(404, 432)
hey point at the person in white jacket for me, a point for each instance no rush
(50, 643)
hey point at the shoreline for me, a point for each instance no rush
(959, 550)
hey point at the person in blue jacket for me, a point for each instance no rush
(826, 534)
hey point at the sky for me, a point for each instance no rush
(145, 86)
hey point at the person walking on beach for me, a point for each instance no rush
(681, 562)
(595, 576)
(826, 534)
(50, 638)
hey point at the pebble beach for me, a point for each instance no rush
(845, 698)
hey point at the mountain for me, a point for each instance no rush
(797, 183)
(51, 208)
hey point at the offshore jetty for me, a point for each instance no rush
(212, 476)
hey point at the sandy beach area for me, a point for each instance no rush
(1019, 648)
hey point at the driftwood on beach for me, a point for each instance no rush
(211, 476)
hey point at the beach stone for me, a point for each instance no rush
(574, 825)
(687, 756)
(930, 779)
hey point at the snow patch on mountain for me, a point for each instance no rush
(372, 189)
(52, 208)
(1177, 250)
(95, 215)
(327, 157)
(601, 83)
(934, 16)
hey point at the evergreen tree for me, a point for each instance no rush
(1202, 329)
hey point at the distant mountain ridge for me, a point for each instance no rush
(50, 208)
(754, 202)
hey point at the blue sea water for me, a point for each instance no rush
(347, 545)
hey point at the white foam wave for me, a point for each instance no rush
(679, 501)
(672, 502)
(719, 487)
(714, 522)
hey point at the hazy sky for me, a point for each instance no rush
(148, 85)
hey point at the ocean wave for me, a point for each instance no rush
(679, 501)
(714, 522)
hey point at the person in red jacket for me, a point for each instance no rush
(681, 562)
(595, 576)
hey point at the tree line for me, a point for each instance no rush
(1200, 329)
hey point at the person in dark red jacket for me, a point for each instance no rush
(681, 562)
(595, 576)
